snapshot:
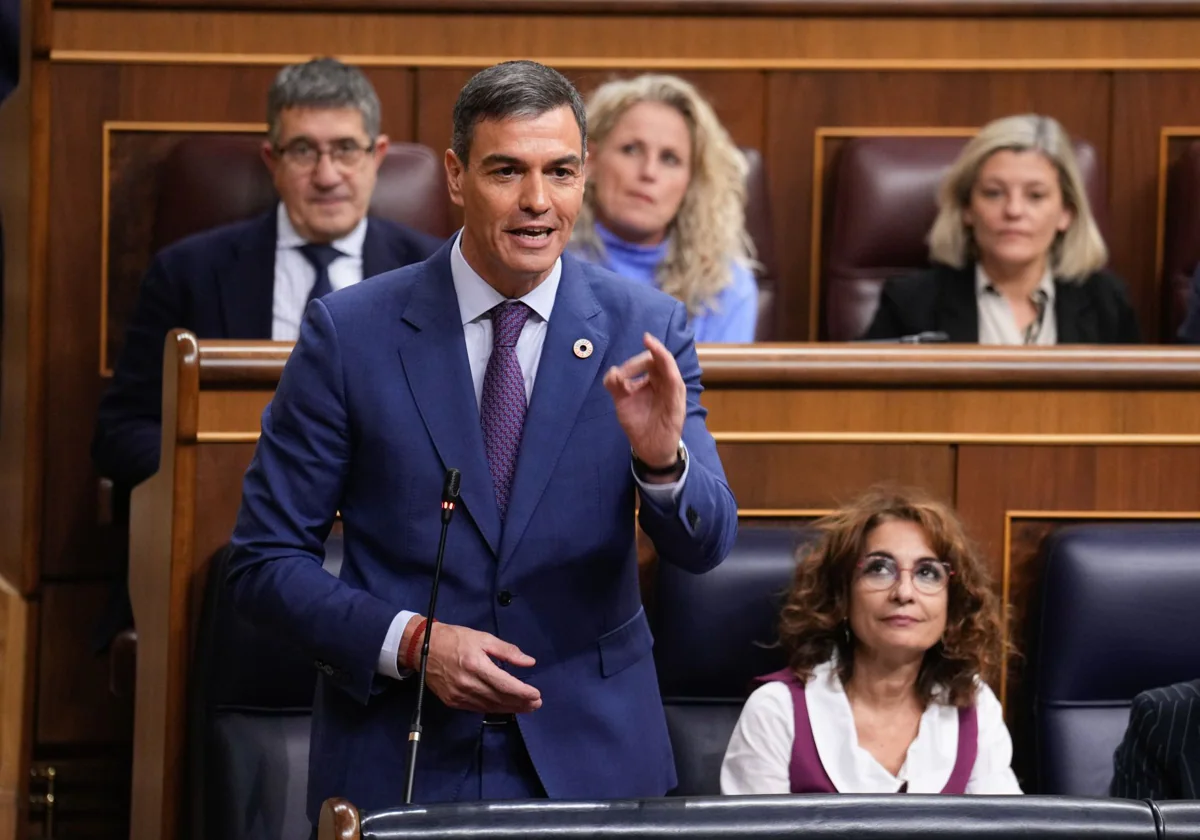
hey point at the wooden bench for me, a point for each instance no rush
(1021, 441)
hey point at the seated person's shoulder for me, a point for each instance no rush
(1166, 699)
(208, 247)
(422, 244)
(627, 299)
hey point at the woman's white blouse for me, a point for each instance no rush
(760, 750)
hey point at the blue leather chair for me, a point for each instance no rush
(713, 635)
(1119, 613)
(251, 709)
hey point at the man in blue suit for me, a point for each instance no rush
(534, 374)
(253, 279)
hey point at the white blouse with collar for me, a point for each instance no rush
(760, 750)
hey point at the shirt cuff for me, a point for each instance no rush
(389, 657)
(664, 495)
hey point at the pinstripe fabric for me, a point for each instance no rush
(1159, 758)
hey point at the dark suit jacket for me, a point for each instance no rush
(374, 404)
(942, 299)
(1159, 757)
(1189, 330)
(218, 284)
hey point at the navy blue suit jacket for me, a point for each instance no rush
(218, 284)
(374, 404)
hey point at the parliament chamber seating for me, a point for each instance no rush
(758, 225)
(248, 729)
(1181, 237)
(844, 817)
(1118, 615)
(713, 634)
(882, 200)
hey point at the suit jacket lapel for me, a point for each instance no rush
(563, 381)
(1074, 316)
(377, 256)
(248, 287)
(434, 354)
(958, 310)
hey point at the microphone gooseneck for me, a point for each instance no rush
(450, 492)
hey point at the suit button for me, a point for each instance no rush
(504, 597)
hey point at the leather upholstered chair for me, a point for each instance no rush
(758, 225)
(248, 727)
(712, 635)
(881, 201)
(1181, 238)
(214, 179)
(1117, 615)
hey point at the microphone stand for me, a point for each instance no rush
(450, 491)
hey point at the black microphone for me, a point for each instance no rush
(450, 489)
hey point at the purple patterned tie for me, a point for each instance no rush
(502, 409)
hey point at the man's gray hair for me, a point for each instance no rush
(322, 83)
(513, 89)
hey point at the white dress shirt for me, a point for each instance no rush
(295, 275)
(998, 324)
(760, 750)
(476, 299)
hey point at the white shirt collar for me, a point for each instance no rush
(853, 769)
(477, 297)
(1046, 284)
(286, 236)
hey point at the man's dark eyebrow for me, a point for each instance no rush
(507, 160)
(567, 160)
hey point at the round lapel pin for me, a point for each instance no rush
(583, 348)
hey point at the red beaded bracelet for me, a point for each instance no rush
(414, 643)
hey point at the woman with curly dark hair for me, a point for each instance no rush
(890, 628)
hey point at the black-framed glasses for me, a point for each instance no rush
(878, 572)
(304, 156)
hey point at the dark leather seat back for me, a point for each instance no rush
(252, 696)
(758, 225)
(882, 200)
(214, 179)
(712, 637)
(1181, 237)
(748, 817)
(1118, 615)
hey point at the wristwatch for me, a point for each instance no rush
(642, 469)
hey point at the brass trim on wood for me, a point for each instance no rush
(63, 56)
(107, 129)
(952, 438)
(783, 513)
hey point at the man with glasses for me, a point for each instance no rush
(253, 279)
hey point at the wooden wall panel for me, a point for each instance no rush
(1143, 104)
(74, 703)
(800, 103)
(780, 477)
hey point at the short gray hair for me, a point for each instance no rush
(513, 89)
(322, 83)
(1077, 253)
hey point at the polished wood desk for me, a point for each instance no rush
(1019, 440)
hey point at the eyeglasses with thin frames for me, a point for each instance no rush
(879, 572)
(304, 156)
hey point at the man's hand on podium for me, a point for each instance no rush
(462, 674)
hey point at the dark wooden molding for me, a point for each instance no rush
(741, 8)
